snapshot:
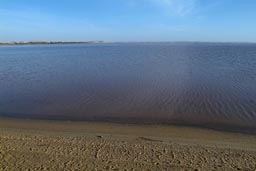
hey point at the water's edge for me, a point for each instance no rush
(212, 126)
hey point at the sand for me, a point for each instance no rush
(51, 145)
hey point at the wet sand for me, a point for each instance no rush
(52, 145)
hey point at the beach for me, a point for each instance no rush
(63, 145)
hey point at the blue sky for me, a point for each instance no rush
(128, 20)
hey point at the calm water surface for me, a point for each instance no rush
(207, 84)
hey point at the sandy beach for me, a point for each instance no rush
(52, 145)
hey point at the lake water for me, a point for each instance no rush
(205, 84)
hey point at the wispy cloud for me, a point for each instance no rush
(177, 7)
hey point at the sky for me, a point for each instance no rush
(128, 20)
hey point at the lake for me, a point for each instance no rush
(202, 84)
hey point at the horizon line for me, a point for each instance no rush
(102, 41)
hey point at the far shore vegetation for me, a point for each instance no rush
(47, 43)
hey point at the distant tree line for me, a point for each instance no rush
(51, 42)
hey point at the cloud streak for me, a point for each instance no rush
(177, 7)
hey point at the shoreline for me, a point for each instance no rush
(184, 147)
(49, 43)
(217, 126)
(122, 42)
(173, 131)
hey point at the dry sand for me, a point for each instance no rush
(48, 145)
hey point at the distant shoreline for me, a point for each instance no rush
(97, 42)
(48, 43)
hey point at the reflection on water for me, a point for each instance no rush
(191, 83)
